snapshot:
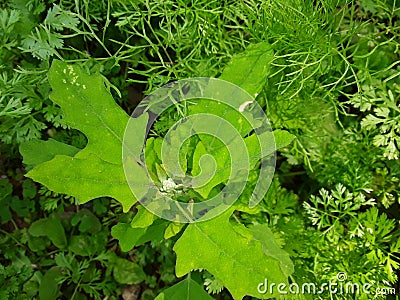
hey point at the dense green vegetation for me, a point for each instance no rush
(325, 72)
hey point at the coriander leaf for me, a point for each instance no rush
(60, 19)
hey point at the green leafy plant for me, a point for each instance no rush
(100, 160)
(369, 235)
(339, 206)
(325, 71)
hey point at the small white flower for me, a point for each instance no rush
(168, 185)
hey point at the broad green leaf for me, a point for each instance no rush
(37, 244)
(173, 229)
(187, 289)
(49, 288)
(225, 112)
(6, 189)
(88, 245)
(126, 235)
(36, 152)
(153, 147)
(29, 189)
(221, 154)
(153, 233)
(96, 170)
(55, 232)
(129, 237)
(89, 107)
(52, 228)
(143, 218)
(87, 221)
(85, 178)
(231, 255)
(127, 272)
(262, 233)
(217, 174)
(38, 228)
(161, 174)
(249, 69)
(282, 138)
(20, 206)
